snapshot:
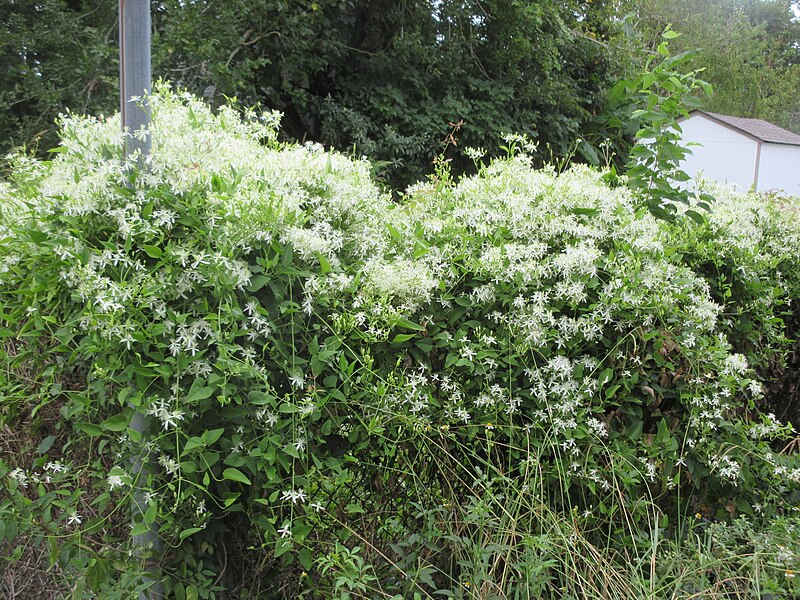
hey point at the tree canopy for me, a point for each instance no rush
(750, 52)
(397, 81)
(381, 78)
(54, 56)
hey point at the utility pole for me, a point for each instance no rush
(135, 87)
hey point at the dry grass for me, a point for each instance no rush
(31, 577)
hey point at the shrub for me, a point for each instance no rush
(458, 393)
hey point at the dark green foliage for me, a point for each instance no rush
(54, 56)
(661, 95)
(750, 51)
(386, 79)
(378, 78)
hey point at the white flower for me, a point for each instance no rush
(308, 305)
(462, 415)
(169, 418)
(598, 427)
(467, 353)
(20, 476)
(731, 470)
(74, 519)
(170, 465)
(285, 532)
(268, 417)
(307, 408)
(294, 495)
(735, 364)
(251, 308)
(115, 481)
(297, 380)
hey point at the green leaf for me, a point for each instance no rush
(199, 391)
(188, 532)
(10, 530)
(192, 443)
(403, 337)
(697, 217)
(282, 546)
(151, 513)
(179, 591)
(421, 248)
(188, 466)
(78, 588)
(257, 282)
(305, 558)
(46, 444)
(424, 344)
(592, 212)
(403, 322)
(211, 436)
(152, 251)
(235, 475)
(300, 530)
(116, 423)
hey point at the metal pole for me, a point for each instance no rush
(135, 85)
(134, 72)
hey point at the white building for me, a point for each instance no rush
(749, 153)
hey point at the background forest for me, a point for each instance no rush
(392, 80)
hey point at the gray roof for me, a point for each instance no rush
(761, 130)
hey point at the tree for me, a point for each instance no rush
(55, 56)
(384, 78)
(750, 52)
(387, 79)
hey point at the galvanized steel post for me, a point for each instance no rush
(135, 87)
(134, 72)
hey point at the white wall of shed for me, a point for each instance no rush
(725, 154)
(779, 168)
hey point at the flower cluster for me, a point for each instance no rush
(292, 332)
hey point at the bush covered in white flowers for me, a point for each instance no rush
(453, 393)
